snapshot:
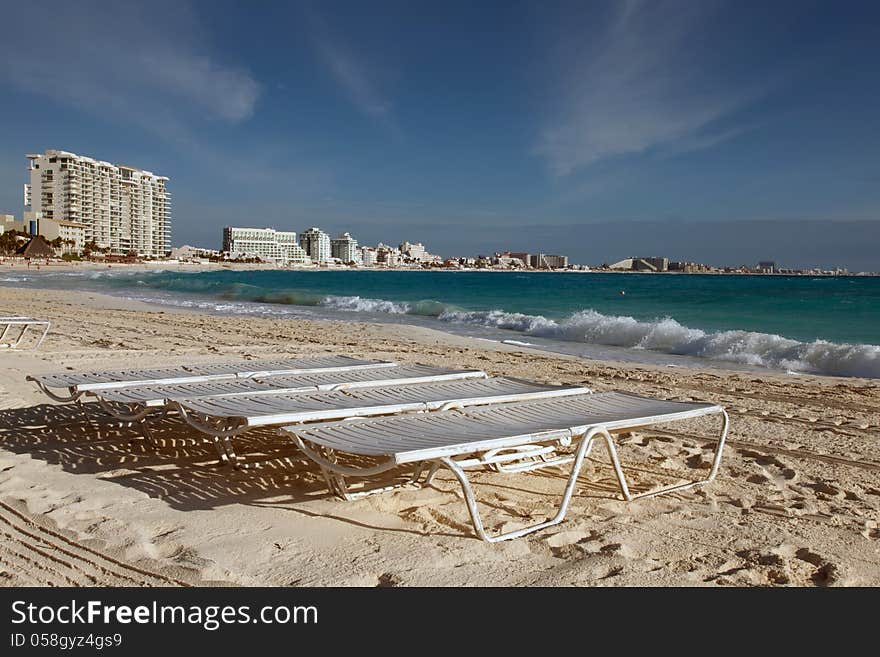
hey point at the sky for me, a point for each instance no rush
(618, 127)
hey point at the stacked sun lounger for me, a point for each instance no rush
(339, 411)
(10, 323)
(77, 384)
(224, 417)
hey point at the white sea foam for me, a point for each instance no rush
(669, 336)
(359, 304)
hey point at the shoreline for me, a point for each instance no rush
(796, 501)
(242, 266)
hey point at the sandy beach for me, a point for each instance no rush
(84, 502)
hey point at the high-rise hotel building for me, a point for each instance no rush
(277, 246)
(316, 243)
(345, 249)
(120, 207)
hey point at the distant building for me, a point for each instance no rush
(316, 243)
(368, 256)
(659, 264)
(413, 251)
(525, 258)
(388, 255)
(9, 223)
(193, 253)
(547, 261)
(652, 264)
(345, 249)
(509, 260)
(688, 267)
(767, 267)
(72, 233)
(266, 244)
(121, 208)
(34, 223)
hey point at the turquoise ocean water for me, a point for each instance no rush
(828, 325)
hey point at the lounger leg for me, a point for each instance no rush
(230, 453)
(135, 411)
(43, 337)
(216, 442)
(335, 473)
(72, 394)
(431, 472)
(220, 434)
(470, 499)
(20, 337)
(147, 432)
(621, 478)
(338, 485)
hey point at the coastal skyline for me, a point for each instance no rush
(710, 131)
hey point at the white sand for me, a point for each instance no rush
(797, 500)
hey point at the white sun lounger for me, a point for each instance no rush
(495, 435)
(130, 404)
(23, 323)
(228, 416)
(78, 383)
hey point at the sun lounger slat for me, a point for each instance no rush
(80, 382)
(445, 433)
(272, 409)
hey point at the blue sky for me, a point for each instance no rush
(394, 119)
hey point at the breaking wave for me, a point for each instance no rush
(426, 308)
(664, 335)
(359, 304)
(668, 336)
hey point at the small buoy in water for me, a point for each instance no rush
(623, 293)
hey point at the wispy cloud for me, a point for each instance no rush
(126, 61)
(350, 71)
(353, 78)
(637, 84)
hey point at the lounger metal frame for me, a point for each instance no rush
(335, 473)
(25, 323)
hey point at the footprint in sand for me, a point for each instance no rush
(825, 490)
(826, 573)
(573, 543)
(387, 580)
(699, 462)
(766, 571)
(772, 470)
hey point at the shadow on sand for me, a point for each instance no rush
(183, 470)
